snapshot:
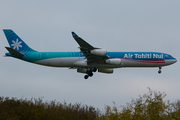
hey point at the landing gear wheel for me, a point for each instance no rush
(86, 77)
(94, 69)
(90, 74)
(160, 70)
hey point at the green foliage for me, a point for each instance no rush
(150, 106)
(36, 109)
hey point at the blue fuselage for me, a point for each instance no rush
(76, 59)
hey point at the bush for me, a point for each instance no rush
(35, 109)
(150, 106)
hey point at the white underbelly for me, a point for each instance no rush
(58, 62)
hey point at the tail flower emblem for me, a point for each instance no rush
(16, 44)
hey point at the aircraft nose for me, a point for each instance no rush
(175, 60)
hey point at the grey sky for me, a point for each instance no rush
(114, 25)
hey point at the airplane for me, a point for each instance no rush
(89, 60)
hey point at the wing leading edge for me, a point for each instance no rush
(82, 43)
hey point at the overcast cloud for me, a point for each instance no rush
(114, 25)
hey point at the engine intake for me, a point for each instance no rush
(99, 52)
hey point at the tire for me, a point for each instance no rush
(86, 77)
(90, 74)
(94, 69)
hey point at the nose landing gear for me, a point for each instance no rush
(159, 70)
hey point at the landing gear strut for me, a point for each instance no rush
(159, 70)
(90, 73)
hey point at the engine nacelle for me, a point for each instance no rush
(99, 52)
(113, 61)
(105, 71)
(81, 70)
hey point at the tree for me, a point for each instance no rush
(150, 106)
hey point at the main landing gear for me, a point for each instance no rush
(90, 73)
(159, 70)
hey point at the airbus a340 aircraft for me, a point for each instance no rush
(88, 60)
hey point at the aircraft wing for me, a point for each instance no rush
(81, 42)
(91, 53)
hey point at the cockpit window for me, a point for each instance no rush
(168, 56)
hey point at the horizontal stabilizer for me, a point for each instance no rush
(14, 52)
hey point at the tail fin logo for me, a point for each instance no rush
(16, 44)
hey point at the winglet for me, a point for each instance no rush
(82, 43)
(74, 34)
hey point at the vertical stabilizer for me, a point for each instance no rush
(15, 42)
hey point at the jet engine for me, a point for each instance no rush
(105, 71)
(113, 61)
(99, 52)
(81, 70)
